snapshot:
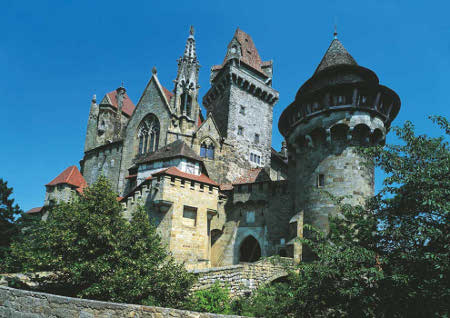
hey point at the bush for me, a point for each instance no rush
(214, 300)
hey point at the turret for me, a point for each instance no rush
(118, 124)
(341, 107)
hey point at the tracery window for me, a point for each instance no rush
(186, 103)
(148, 134)
(207, 150)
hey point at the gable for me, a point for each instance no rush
(209, 129)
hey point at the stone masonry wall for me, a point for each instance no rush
(21, 303)
(243, 278)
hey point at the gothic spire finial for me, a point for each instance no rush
(154, 71)
(94, 98)
(335, 34)
(191, 30)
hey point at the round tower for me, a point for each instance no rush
(341, 107)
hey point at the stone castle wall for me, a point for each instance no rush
(21, 303)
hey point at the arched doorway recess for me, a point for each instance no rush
(250, 251)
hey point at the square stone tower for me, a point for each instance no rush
(241, 100)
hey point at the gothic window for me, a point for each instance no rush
(256, 138)
(148, 134)
(203, 150)
(207, 150)
(242, 110)
(240, 130)
(210, 152)
(186, 103)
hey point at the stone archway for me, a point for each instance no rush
(249, 251)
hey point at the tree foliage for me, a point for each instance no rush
(9, 212)
(95, 253)
(389, 258)
(214, 300)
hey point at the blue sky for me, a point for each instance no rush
(55, 54)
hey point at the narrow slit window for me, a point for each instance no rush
(320, 180)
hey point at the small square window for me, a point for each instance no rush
(240, 130)
(202, 186)
(192, 184)
(210, 188)
(182, 182)
(189, 215)
(320, 180)
(172, 179)
(242, 110)
(256, 138)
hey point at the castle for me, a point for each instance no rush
(216, 189)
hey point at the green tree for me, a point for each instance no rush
(214, 300)
(389, 258)
(9, 212)
(96, 253)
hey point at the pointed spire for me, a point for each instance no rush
(335, 55)
(335, 34)
(189, 51)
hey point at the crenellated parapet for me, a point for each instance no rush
(243, 80)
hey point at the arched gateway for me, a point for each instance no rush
(250, 251)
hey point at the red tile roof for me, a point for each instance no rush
(131, 176)
(168, 93)
(252, 175)
(250, 55)
(35, 210)
(70, 176)
(173, 171)
(128, 106)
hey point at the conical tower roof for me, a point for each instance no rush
(335, 55)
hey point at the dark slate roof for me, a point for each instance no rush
(335, 55)
(176, 149)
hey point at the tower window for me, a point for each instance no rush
(189, 215)
(240, 130)
(242, 110)
(256, 138)
(203, 150)
(320, 180)
(186, 104)
(250, 217)
(210, 152)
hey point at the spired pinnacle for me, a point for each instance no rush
(335, 34)
(154, 71)
(94, 98)
(191, 30)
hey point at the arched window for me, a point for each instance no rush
(210, 152)
(148, 134)
(203, 150)
(186, 103)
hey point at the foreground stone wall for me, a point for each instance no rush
(244, 278)
(30, 304)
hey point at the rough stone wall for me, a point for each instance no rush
(243, 278)
(58, 194)
(21, 303)
(269, 203)
(151, 102)
(256, 120)
(188, 240)
(334, 156)
(104, 160)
